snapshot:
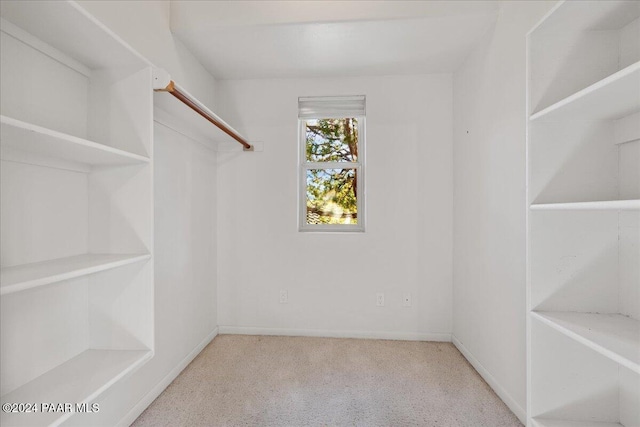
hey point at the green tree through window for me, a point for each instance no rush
(332, 192)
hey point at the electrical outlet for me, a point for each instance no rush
(406, 300)
(380, 299)
(284, 296)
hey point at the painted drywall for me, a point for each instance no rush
(185, 221)
(303, 39)
(332, 278)
(144, 24)
(489, 275)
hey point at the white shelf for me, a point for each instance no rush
(27, 137)
(74, 32)
(541, 422)
(577, 16)
(612, 335)
(80, 380)
(22, 277)
(611, 98)
(633, 204)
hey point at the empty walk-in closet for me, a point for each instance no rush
(320, 213)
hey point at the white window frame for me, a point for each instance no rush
(302, 178)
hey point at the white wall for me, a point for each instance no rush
(332, 279)
(185, 220)
(408, 243)
(144, 24)
(489, 203)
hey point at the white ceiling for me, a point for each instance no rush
(276, 39)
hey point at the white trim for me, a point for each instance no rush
(493, 383)
(331, 165)
(359, 166)
(325, 107)
(616, 205)
(546, 16)
(109, 32)
(327, 333)
(330, 98)
(148, 398)
(527, 217)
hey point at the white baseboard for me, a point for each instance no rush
(500, 391)
(404, 336)
(139, 408)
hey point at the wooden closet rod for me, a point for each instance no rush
(173, 90)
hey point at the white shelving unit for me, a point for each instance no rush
(601, 205)
(28, 139)
(23, 277)
(613, 335)
(76, 136)
(613, 97)
(79, 380)
(583, 222)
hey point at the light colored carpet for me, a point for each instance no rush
(297, 381)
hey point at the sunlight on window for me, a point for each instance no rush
(331, 196)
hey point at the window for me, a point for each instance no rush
(331, 163)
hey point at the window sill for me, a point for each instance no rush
(332, 229)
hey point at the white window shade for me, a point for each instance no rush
(327, 107)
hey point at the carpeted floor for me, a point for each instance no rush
(297, 381)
